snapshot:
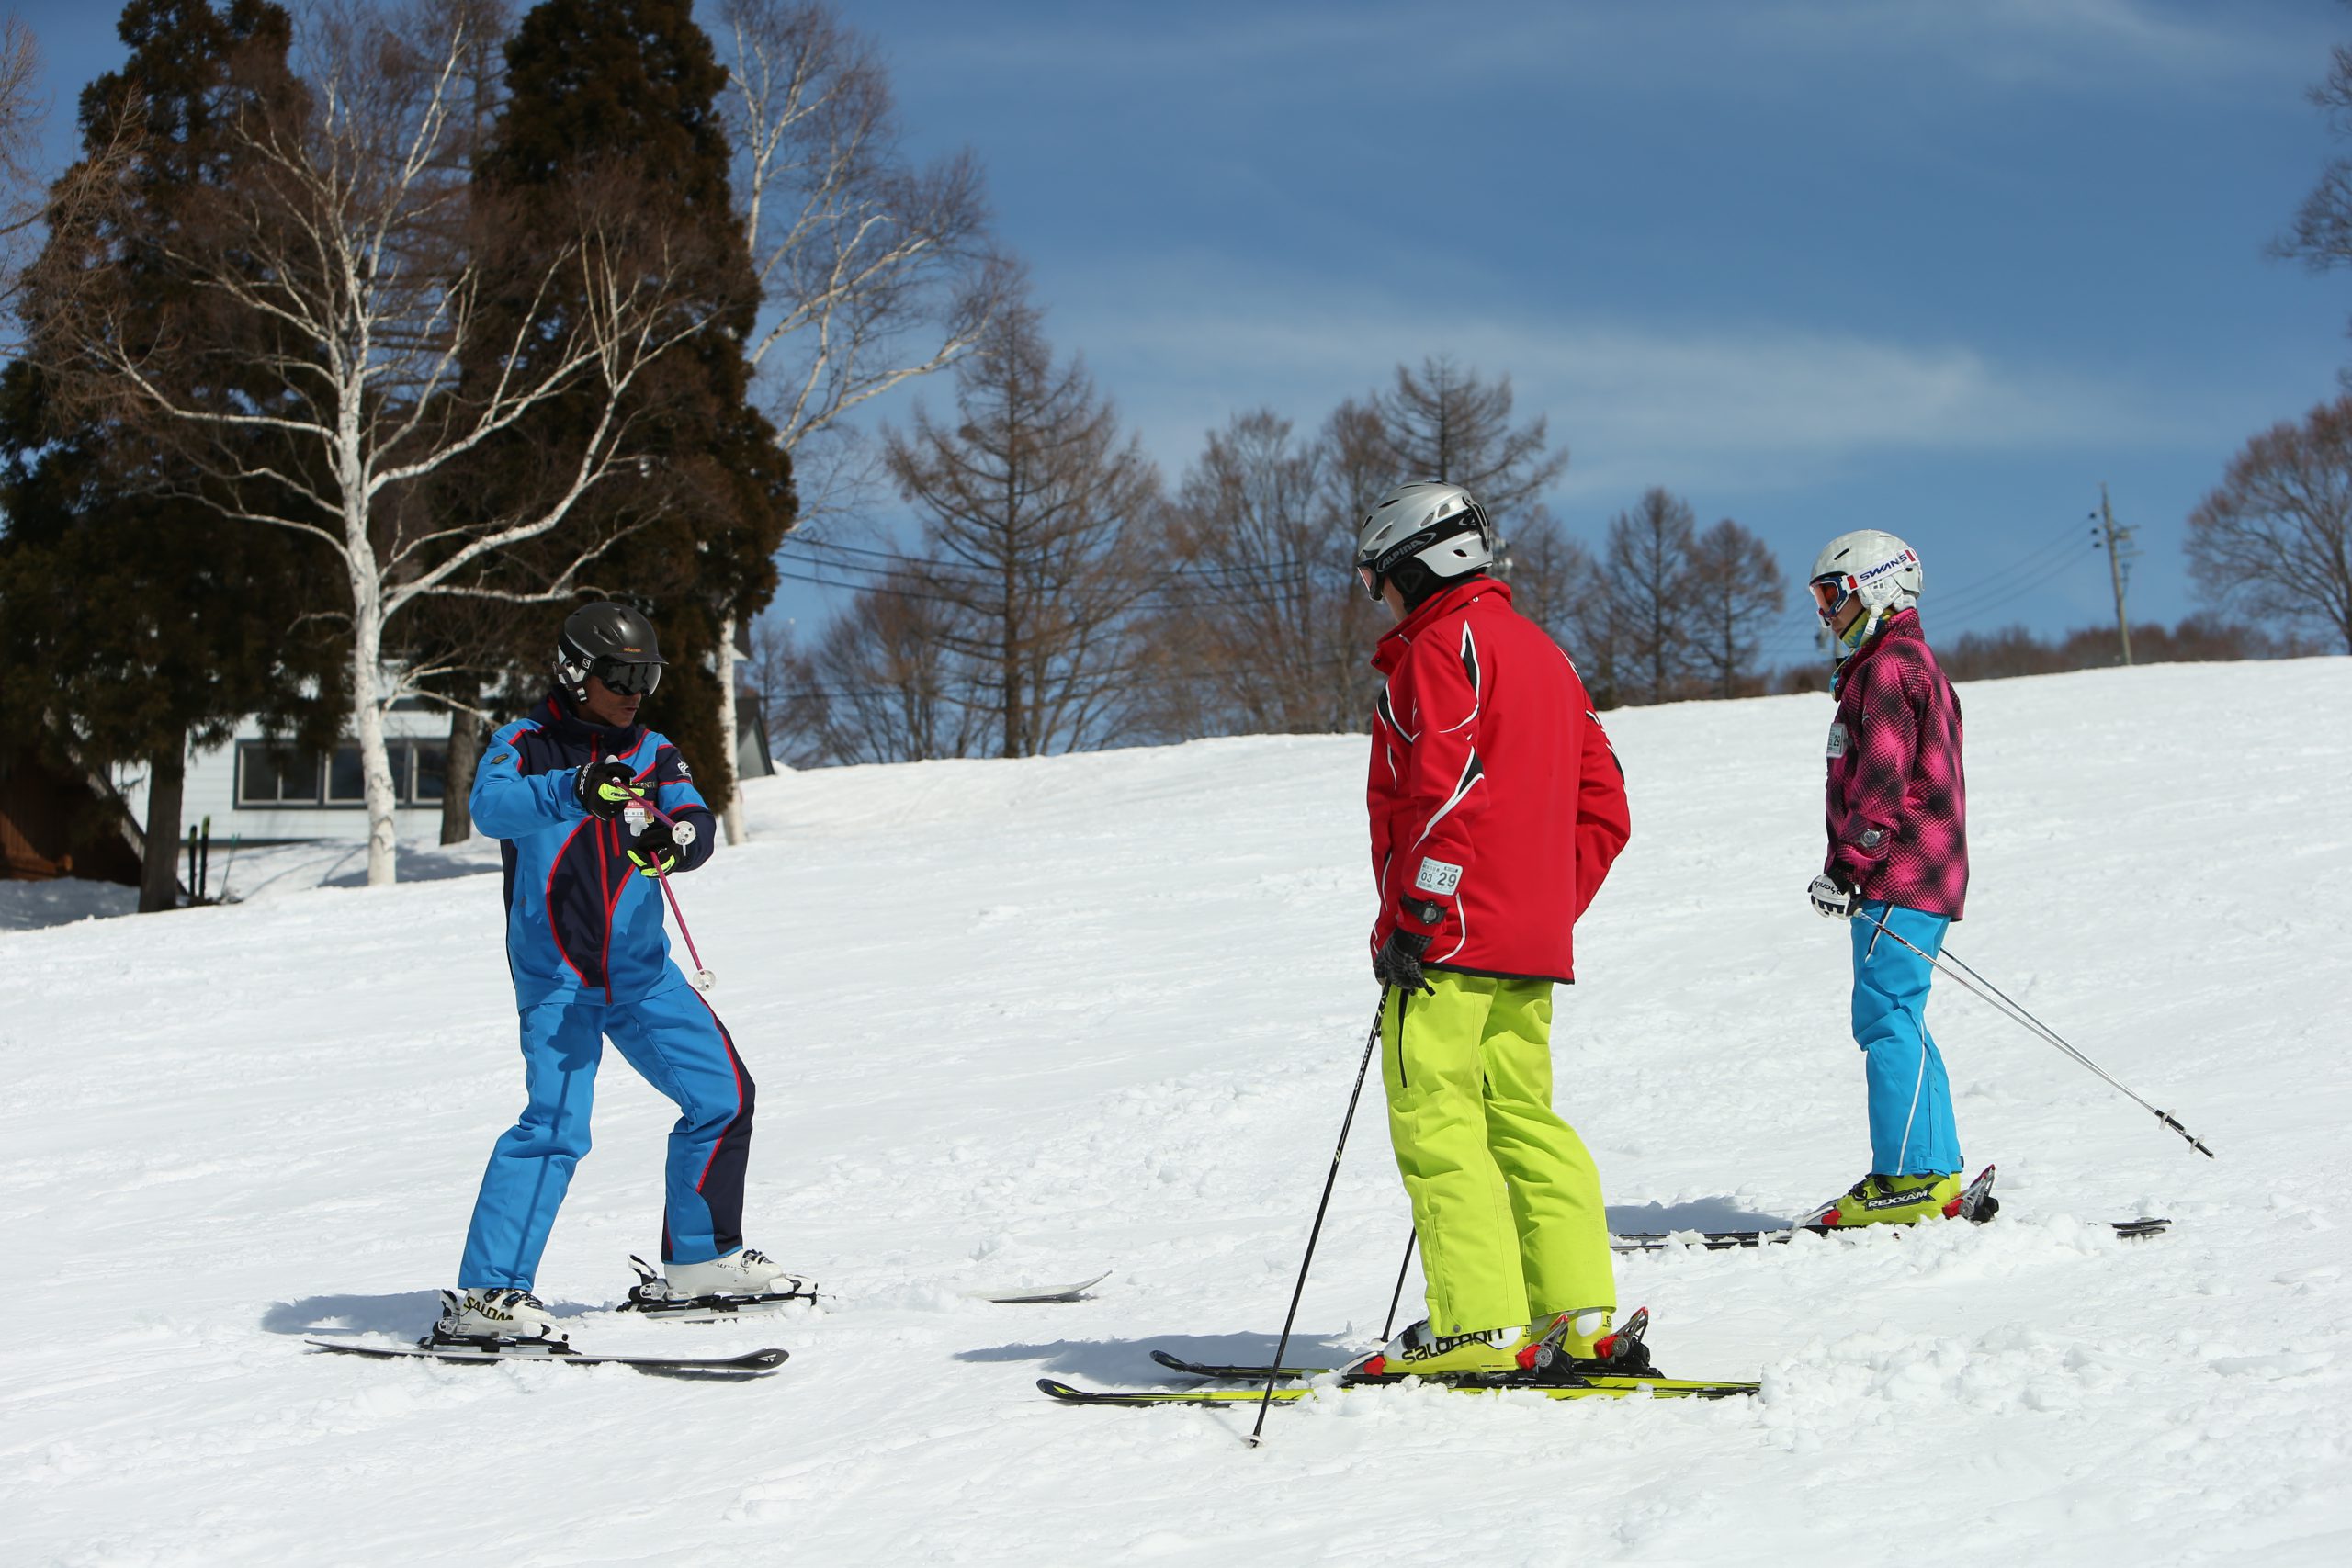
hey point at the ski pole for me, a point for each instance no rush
(1412, 1236)
(704, 978)
(2001, 1001)
(1273, 1373)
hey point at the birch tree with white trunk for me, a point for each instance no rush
(352, 259)
(876, 271)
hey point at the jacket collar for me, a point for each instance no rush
(556, 717)
(1901, 627)
(1436, 607)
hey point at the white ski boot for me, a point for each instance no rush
(492, 1313)
(744, 1280)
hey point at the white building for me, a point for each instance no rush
(261, 790)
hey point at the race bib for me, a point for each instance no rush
(1436, 876)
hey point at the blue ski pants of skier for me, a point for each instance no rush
(677, 1044)
(1912, 1131)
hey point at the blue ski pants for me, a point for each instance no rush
(1912, 1131)
(677, 1044)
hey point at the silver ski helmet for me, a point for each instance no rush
(1873, 566)
(612, 642)
(1439, 525)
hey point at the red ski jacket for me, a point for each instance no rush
(1899, 802)
(1495, 795)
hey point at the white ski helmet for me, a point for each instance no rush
(1869, 564)
(1439, 525)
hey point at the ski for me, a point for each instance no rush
(750, 1364)
(1720, 1241)
(1229, 1371)
(1030, 1295)
(1975, 1204)
(1635, 1328)
(649, 1298)
(1585, 1388)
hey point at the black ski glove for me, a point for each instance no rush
(1398, 961)
(655, 851)
(604, 788)
(1832, 898)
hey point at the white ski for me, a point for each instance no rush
(1025, 1295)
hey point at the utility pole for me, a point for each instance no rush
(2116, 537)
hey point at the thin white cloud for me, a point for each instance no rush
(1637, 403)
(2091, 45)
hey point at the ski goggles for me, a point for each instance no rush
(1830, 593)
(627, 678)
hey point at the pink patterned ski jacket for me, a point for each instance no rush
(1898, 809)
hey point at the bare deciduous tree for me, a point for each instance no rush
(2322, 235)
(883, 686)
(1551, 578)
(1649, 558)
(1025, 499)
(876, 271)
(348, 260)
(1444, 422)
(1732, 588)
(20, 119)
(25, 204)
(1261, 622)
(2277, 536)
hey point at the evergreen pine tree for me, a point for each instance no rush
(142, 622)
(620, 96)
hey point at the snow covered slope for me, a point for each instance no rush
(1023, 1022)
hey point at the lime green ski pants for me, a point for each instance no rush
(1506, 1199)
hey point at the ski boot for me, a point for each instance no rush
(1493, 1353)
(493, 1318)
(744, 1280)
(1890, 1200)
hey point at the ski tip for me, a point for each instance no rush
(1059, 1390)
(1031, 1295)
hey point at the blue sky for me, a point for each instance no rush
(1816, 265)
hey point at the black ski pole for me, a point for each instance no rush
(1984, 990)
(1273, 1373)
(1412, 1236)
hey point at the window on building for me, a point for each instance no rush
(271, 775)
(432, 771)
(347, 783)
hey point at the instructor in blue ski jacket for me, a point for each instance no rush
(567, 790)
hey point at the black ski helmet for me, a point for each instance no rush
(612, 642)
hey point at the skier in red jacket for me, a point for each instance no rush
(1897, 863)
(1496, 806)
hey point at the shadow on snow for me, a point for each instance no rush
(1706, 1214)
(408, 1313)
(1128, 1361)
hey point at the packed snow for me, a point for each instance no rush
(1018, 1022)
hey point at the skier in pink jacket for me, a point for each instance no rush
(1897, 864)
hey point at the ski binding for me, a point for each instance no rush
(652, 1296)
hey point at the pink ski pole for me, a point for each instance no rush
(704, 978)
